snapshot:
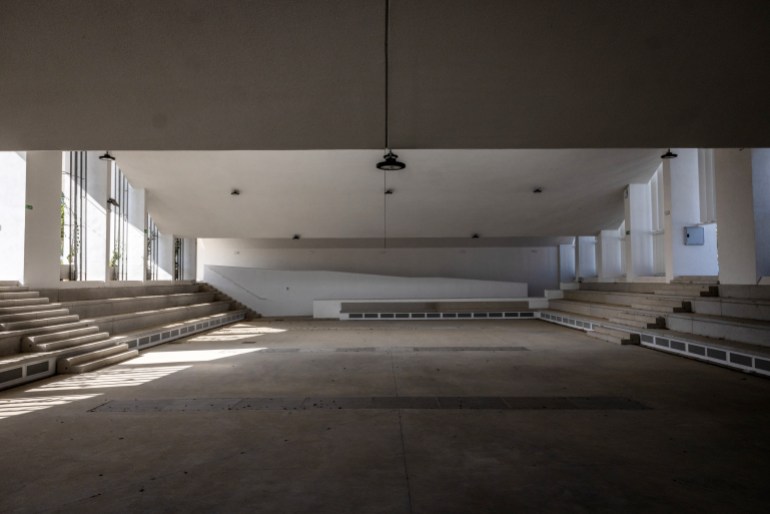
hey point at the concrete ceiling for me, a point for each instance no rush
(339, 193)
(304, 74)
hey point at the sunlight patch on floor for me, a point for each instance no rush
(117, 376)
(18, 406)
(156, 357)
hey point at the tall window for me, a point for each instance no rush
(73, 210)
(118, 202)
(657, 225)
(152, 249)
(178, 258)
(707, 189)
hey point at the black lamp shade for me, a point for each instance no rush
(668, 155)
(107, 157)
(391, 162)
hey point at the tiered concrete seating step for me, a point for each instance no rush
(91, 327)
(713, 324)
(96, 359)
(622, 315)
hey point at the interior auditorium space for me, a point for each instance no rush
(384, 256)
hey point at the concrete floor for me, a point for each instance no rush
(301, 417)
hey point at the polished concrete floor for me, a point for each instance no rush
(392, 417)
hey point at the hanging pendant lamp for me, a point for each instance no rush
(390, 162)
(669, 155)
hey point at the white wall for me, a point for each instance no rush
(13, 169)
(291, 293)
(682, 209)
(609, 255)
(537, 266)
(586, 256)
(735, 216)
(760, 163)
(42, 224)
(639, 250)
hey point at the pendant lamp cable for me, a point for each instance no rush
(387, 126)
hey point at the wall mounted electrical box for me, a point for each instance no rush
(693, 236)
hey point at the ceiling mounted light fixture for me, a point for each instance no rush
(295, 237)
(235, 192)
(106, 156)
(390, 162)
(669, 155)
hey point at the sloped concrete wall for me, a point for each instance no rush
(291, 293)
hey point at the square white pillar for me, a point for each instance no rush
(735, 211)
(43, 220)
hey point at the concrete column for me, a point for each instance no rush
(165, 256)
(760, 164)
(136, 253)
(42, 224)
(608, 255)
(585, 247)
(13, 169)
(639, 251)
(735, 211)
(681, 208)
(190, 254)
(566, 263)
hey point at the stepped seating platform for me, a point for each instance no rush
(691, 320)
(91, 327)
(518, 308)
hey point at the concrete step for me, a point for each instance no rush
(696, 279)
(77, 294)
(29, 315)
(717, 327)
(13, 289)
(9, 283)
(624, 298)
(66, 364)
(19, 302)
(123, 323)
(30, 308)
(66, 343)
(610, 336)
(621, 336)
(112, 306)
(659, 309)
(606, 311)
(42, 322)
(102, 362)
(754, 309)
(18, 295)
(57, 336)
